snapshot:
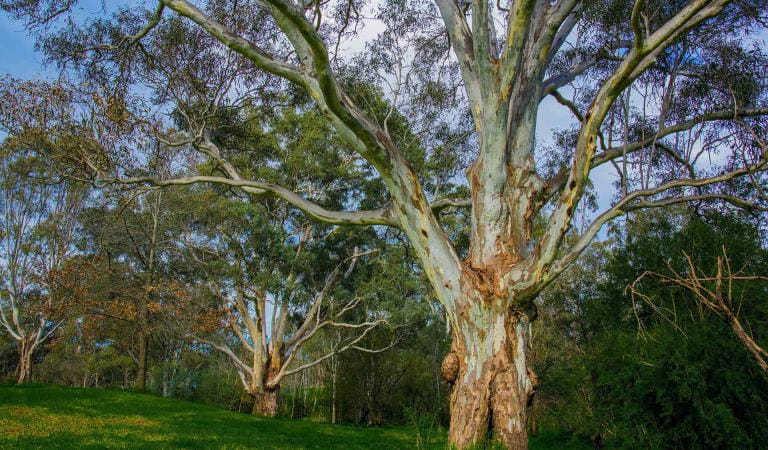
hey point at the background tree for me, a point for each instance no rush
(272, 345)
(37, 235)
(135, 239)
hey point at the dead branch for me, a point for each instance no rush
(714, 292)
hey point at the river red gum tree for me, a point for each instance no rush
(271, 352)
(488, 296)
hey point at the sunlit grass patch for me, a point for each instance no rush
(34, 416)
(18, 421)
(37, 416)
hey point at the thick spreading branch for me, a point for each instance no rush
(639, 58)
(237, 43)
(629, 203)
(410, 209)
(377, 217)
(462, 43)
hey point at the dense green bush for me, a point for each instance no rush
(669, 376)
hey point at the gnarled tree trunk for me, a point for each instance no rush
(485, 294)
(266, 402)
(266, 395)
(492, 385)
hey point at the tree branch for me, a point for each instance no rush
(637, 61)
(625, 205)
(284, 372)
(562, 19)
(441, 204)
(237, 43)
(716, 300)
(331, 281)
(377, 217)
(463, 45)
(127, 41)
(7, 325)
(558, 181)
(562, 79)
(227, 351)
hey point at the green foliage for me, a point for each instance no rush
(8, 357)
(385, 388)
(669, 375)
(216, 384)
(425, 424)
(698, 390)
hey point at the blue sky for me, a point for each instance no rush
(17, 48)
(19, 58)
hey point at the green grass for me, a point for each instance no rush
(34, 416)
(41, 416)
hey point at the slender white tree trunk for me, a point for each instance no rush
(26, 349)
(166, 391)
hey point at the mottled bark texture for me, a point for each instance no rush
(487, 296)
(266, 403)
(492, 386)
(266, 395)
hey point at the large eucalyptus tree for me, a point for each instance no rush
(38, 231)
(651, 81)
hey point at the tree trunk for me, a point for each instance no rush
(165, 381)
(492, 386)
(25, 362)
(266, 403)
(141, 372)
(334, 368)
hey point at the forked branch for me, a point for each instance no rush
(639, 58)
(643, 199)
(714, 292)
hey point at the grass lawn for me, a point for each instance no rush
(38, 416)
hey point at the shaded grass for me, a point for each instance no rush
(558, 440)
(42, 416)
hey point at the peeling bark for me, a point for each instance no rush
(506, 268)
(266, 403)
(493, 386)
